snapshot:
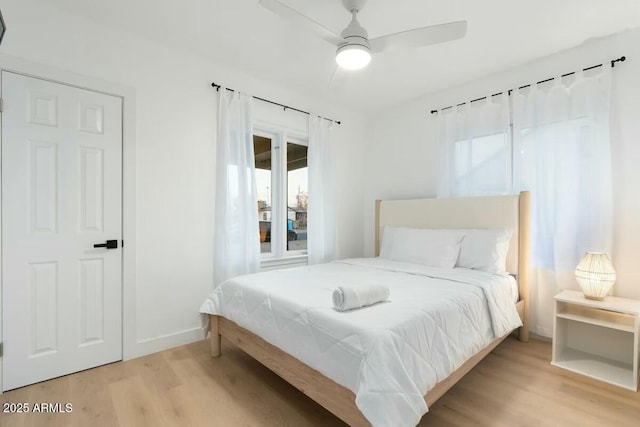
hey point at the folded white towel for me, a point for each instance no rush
(357, 296)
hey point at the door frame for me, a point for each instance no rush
(128, 96)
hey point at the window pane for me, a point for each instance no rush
(262, 155)
(297, 196)
(481, 166)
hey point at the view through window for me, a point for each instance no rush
(297, 196)
(262, 153)
(283, 193)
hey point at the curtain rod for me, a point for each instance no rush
(285, 107)
(613, 64)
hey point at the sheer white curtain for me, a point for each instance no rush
(559, 149)
(321, 209)
(562, 155)
(236, 242)
(474, 149)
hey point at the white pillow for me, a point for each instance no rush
(387, 241)
(485, 250)
(435, 248)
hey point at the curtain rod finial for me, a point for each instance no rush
(621, 59)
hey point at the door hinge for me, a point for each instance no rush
(122, 245)
(0, 349)
(1, 105)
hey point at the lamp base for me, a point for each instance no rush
(594, 298)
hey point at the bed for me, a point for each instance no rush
(331, 349)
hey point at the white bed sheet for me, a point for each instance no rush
(389, 354)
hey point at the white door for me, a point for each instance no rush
(61, 194)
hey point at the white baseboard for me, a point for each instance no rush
(543, 332)
(540, 337)
(164, 342)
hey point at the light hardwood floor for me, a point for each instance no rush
(514, 386)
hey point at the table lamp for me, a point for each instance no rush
(596, 275)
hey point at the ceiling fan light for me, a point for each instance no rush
(353, 57)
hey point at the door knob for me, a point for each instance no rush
(109, 244)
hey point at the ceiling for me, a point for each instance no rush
(243, 35)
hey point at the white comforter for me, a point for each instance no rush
(389, 354)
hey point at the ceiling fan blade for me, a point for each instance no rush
(301, 20)
(419, 37)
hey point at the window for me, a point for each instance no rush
(481, 166)
(550, 159)
(283, 192)
(475, 149)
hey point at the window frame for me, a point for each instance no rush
(280, 256)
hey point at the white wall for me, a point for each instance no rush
(402, 146)
(175, 139)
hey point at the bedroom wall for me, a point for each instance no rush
(175, 140)
(401, 141)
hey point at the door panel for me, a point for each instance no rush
(61, 194)
(91, 189)
(43, 308)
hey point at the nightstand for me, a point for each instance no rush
(598, 339)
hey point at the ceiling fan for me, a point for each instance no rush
(354, 48)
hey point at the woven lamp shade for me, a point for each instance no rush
(596, 275)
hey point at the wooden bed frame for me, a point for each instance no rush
(511, 212)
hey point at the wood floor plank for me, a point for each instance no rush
(156, 372)
(133, 403)
(515, 386)
(92, 404)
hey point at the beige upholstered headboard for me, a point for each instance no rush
(508, 212)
